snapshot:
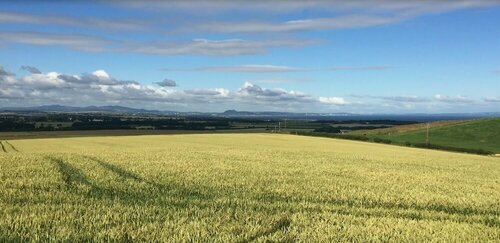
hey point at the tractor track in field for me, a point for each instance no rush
(12, 146)
(3, 148)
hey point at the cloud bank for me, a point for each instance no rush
(99, 88)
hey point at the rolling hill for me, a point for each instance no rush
(470, 134)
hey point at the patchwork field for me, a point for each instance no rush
(243, 187)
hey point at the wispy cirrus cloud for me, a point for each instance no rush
(126, 24)
(286, 6)
(251, 68)
(228, 47)
(340, 14)
(352, 21)
(281, 80)
(46, 39)
(267, 68)
(361, 68)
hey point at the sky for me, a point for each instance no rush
(332, 56)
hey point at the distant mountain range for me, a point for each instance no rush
(261, 114)
(61, 108)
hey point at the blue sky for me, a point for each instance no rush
(317, 56)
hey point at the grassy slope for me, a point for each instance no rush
(476, 134)
(244, 187)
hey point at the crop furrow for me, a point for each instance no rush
(12, 146)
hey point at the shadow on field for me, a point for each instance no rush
(124, 174)
(397, 210)
(176, 194)
(282, 224)
(74, 179)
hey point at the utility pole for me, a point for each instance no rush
(279, 126)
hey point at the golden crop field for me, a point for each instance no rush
(243, 188)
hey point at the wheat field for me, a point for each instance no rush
(243, 188)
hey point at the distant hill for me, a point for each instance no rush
(471, 134)
(61, 108)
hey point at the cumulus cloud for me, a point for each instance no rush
(259, 94)
(98, 88)
(333, 100)
(4, 72)
(167, 83)
(30, 69)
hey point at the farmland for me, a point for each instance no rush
(242, 188)
(471, 134)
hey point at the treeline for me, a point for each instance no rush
(387, 141)
(114, 124)
(156, 124)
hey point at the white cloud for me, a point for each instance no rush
(228, 47)
(281, 80)
(82, 42)
(492, 99)
(338, 13)
(452, 99)
(392, 6)
(62, 20)
(99, 88)
(333, 100)
(399, 99)
(351, 21)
